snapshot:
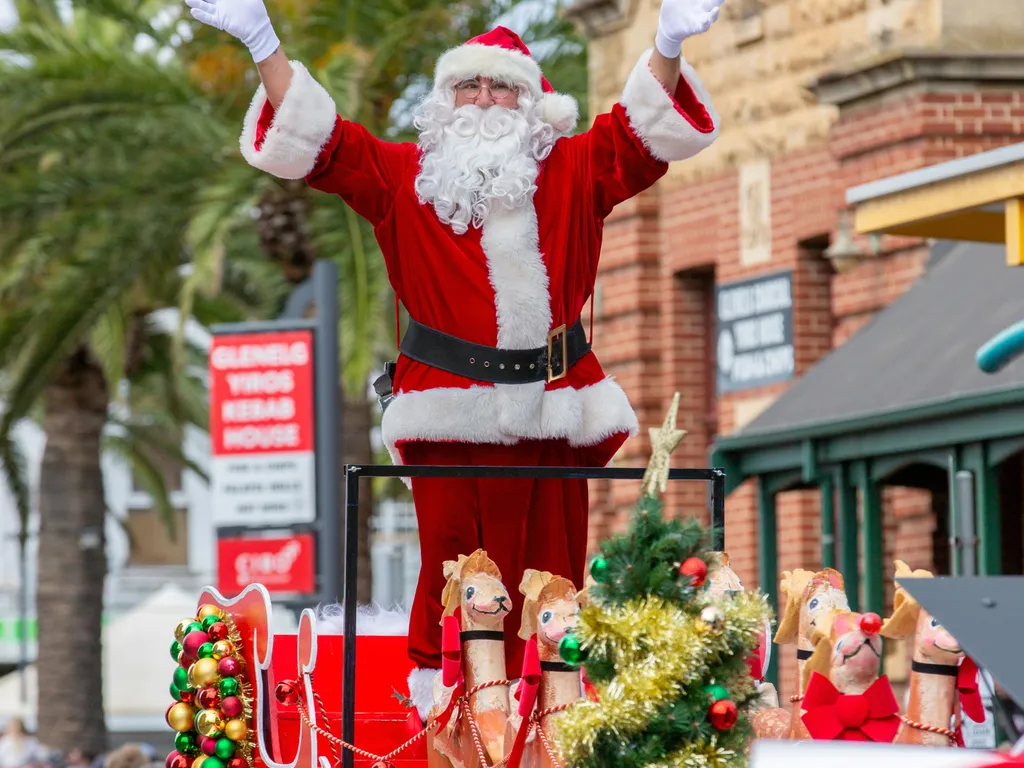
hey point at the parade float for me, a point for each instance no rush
(659, 661)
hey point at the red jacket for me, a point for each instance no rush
(525, 272)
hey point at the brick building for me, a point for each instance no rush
(816, 97)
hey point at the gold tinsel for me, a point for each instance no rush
(659, 649)
(247, 745)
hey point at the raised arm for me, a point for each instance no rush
(663, 115)
(292, 129)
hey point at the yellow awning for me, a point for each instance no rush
(979, 198)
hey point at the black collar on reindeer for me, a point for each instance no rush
(482, 634)
(558, 666)
(950, 670)
(803, 654)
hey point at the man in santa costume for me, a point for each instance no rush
(490, 227)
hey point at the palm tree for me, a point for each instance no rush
(103, 154)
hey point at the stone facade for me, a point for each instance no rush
(815, 96)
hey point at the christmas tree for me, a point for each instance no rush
(668, 661)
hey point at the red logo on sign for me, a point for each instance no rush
(282, 565)
(261, 393)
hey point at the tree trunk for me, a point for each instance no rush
(357, 421)
(72, 560)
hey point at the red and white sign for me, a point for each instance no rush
(282, 565)
(261, 428)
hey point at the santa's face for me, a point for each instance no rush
(481, 143)
(485, 92)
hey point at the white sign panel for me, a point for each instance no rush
(261, 429)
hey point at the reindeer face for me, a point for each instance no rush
(820, 604)
(485, 601)
(856, 649)
(934, 643)
(556, 619)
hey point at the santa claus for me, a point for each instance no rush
(490, 227)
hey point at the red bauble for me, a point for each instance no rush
(208, 698)
(870, 624)
(218, 631)
(237, 762)
(723, 714)
(287, 692)
(188, 696)
(228, 667)
(231, 707)
(192, 641)
(695, 568)
(207, 745)
(177, 760)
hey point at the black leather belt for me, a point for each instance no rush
(566, 346)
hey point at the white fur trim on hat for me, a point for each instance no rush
(560, 111)
(473, 60)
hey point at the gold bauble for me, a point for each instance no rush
(192, 682)
(205, 672)
(197, 763)
(209, 724)
(235, 729)
(180, 716)
(179, 631)
(210, 610)
(222, 648)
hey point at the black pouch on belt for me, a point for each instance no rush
(384, 386)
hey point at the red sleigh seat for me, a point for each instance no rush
(314, 661)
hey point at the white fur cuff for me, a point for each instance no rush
(657, 119)
(301, 127)
(421, 690)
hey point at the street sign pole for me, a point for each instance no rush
(328, 427)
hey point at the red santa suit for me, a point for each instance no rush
(506, 285)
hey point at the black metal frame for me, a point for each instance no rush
(716, 504)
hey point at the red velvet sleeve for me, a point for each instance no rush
(628, 149)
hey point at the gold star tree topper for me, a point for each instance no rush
(663, 442)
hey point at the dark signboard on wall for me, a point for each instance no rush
(754, 321)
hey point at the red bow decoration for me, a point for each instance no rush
(451, 663)
(869, 716)
(529, 685)
(967, 686)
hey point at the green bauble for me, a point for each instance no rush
(195, 626)
(228, 687)
(214, 762)
(205, 650)
(175, 650)
(570, 650)
(716, 692)
(599, 569)
(180, 678)
(186, 744)
(225, 748)
(209, 621)
(175, 693)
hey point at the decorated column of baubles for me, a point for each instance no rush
(212, 703)
(722, 711)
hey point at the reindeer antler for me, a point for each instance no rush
(905, 609)
(792, 584)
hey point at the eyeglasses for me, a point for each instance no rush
(499, 91)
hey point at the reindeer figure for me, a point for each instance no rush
(550, 611)
(813, 599)
(474, 593)
(934, 670)
(846, 661)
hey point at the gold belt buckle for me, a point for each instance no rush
(553, 334)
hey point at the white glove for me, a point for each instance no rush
(679, 20)
(246, 20)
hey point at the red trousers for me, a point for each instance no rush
(521, 523)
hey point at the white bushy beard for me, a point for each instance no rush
(476, 160)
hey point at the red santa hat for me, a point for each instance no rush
(502, 55)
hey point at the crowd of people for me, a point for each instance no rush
(20, 749)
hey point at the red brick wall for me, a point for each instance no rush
(653, 327)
